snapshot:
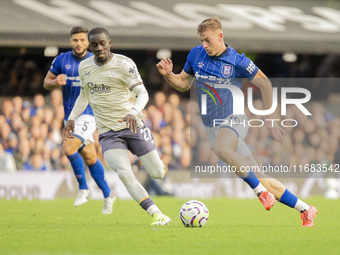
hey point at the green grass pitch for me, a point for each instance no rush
(234, 227)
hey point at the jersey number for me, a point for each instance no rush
(147, 134)
(84, 128)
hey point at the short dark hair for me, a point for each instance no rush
(98, 30)
(78, 29)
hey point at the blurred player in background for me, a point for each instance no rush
(215, 63)
(114, 88)
(64, 72)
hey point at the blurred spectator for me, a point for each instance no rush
(16, 122)
(17, 104)
(55, 159)
(12, 142)
(5, 131)
(35, 162)
(38, 104)
(7, 109)
(56, 97)
(7, 162)
(21, 157)
(159, 100)
(26, 111)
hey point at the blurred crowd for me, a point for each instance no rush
(309, 140)
(31, 119)
(32, 133)
(314, 139)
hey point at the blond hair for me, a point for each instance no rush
(209, 24)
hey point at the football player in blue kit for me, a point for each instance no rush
(64, 73)
(216, 66)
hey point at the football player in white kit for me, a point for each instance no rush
(113, 87)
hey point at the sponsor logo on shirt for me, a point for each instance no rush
(227, 70)
(251, 67)
(98, 88)
(75, 80)
(213, 79)
(200, 64)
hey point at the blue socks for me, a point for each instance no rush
(251, 179)
(96, 170)
(288, 198)
(78, 169)
(98, 174)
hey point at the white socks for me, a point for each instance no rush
(259, 189)
(153, 209)
(301, 206)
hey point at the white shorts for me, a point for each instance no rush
(239, 124)
(84, 127)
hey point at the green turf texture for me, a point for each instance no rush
(234, 227)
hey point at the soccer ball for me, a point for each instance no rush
(194, 214)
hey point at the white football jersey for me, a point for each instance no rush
(108, 89)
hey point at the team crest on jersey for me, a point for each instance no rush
(227, 70)
(68, 66)
(200, 64)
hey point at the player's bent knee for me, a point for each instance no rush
(125, 177)
(68, 150)
(158, 172)
(90, 159)
(225, 155)
(153, 165)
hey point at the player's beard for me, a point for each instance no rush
(79, 54)
(104, 57)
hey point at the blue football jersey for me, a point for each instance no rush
(66, 63)
(215, 76)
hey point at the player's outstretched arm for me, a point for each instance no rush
(181, 82)
(262, 81)
(52, 80)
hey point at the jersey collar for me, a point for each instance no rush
(107, 61)
(82, 58)
(225, 52)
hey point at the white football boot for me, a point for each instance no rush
(82, 197)
(108, 203)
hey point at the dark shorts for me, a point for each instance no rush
(139, 144)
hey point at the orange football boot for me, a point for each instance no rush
(267, 199)
(308, 216)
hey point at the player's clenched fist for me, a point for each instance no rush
(61, 79)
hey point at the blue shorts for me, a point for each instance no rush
(139, 143)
